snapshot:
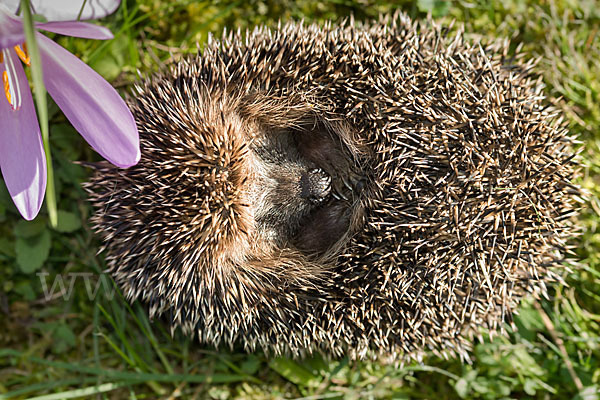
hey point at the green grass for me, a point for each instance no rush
(102, 347)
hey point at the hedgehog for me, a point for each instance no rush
(379, 190)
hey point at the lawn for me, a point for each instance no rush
(66, 332)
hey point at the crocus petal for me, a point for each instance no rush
(68, 10)
(11, 29)
(22, 158)
(93, 106)
(77, 29)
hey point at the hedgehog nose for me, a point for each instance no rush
(315, 185)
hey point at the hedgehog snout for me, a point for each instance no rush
(315, 185)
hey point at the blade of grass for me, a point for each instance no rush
(121, 335)
(560, 344)
(45, 386)
(133, 54)
(126, 375)
(89, 391)
(148, 334)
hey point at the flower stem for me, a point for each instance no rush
(42, 106)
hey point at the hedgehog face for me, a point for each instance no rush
(287, 189)
(298, 191)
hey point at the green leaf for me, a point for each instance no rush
(64, 339)
(27, 229)
(67, 222)
(111, 65)
(32, 252)
(315, 364)
(530, 387)
(530, 318)
(25, 290)
(250, 365)
(462, 387)
(294, 372)
(480, 385)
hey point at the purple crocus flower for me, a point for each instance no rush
(90, 103)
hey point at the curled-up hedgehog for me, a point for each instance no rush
(377, 190)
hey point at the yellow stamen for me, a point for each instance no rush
(10, 81)
(6, 85)
(23, 54)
